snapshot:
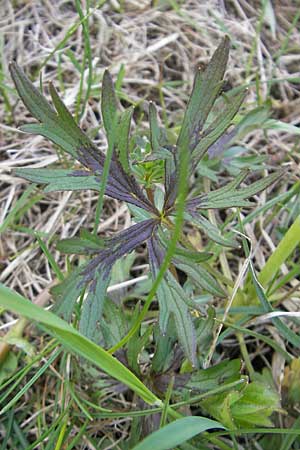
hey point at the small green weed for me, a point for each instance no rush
(163, 361)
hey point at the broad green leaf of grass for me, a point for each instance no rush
(74, 342)
(177, 433)
(283, 250)
(284, 330)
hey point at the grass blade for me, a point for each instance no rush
(176, 433)
(74, 342)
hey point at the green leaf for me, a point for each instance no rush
(210, 230)
(206, 380)
(154, 128)
(171, 299)
(122, 143)
(135, 347)
(67, 292)
(59, 127)
(176, 433)
(164, 346)
(218, 127)
(201, 277)
(114, 324)
(273, 124)
(279, 256)
(206, 88)
(284, 330)
(79, 246)
(228, 196)
(108, 105)
(248, 407)
(187, 254)
(253, 120)
(74, 342)
(32, 98)
(92, 307)
(59, 179)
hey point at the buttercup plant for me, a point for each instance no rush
(154, 209)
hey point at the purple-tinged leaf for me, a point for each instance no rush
(207, 86)
(116, 247)
(61, 129)
(221, 144)
(218, 127)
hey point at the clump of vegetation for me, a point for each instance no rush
(154, 209)
(166, 363)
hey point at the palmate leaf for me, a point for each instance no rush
(250, 406)
(193, 136)
(60, 127)
(95, 275)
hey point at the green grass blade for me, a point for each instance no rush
(18, 205)
(74, 342)
(285, 331)
(286, 246)
(176, 433)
